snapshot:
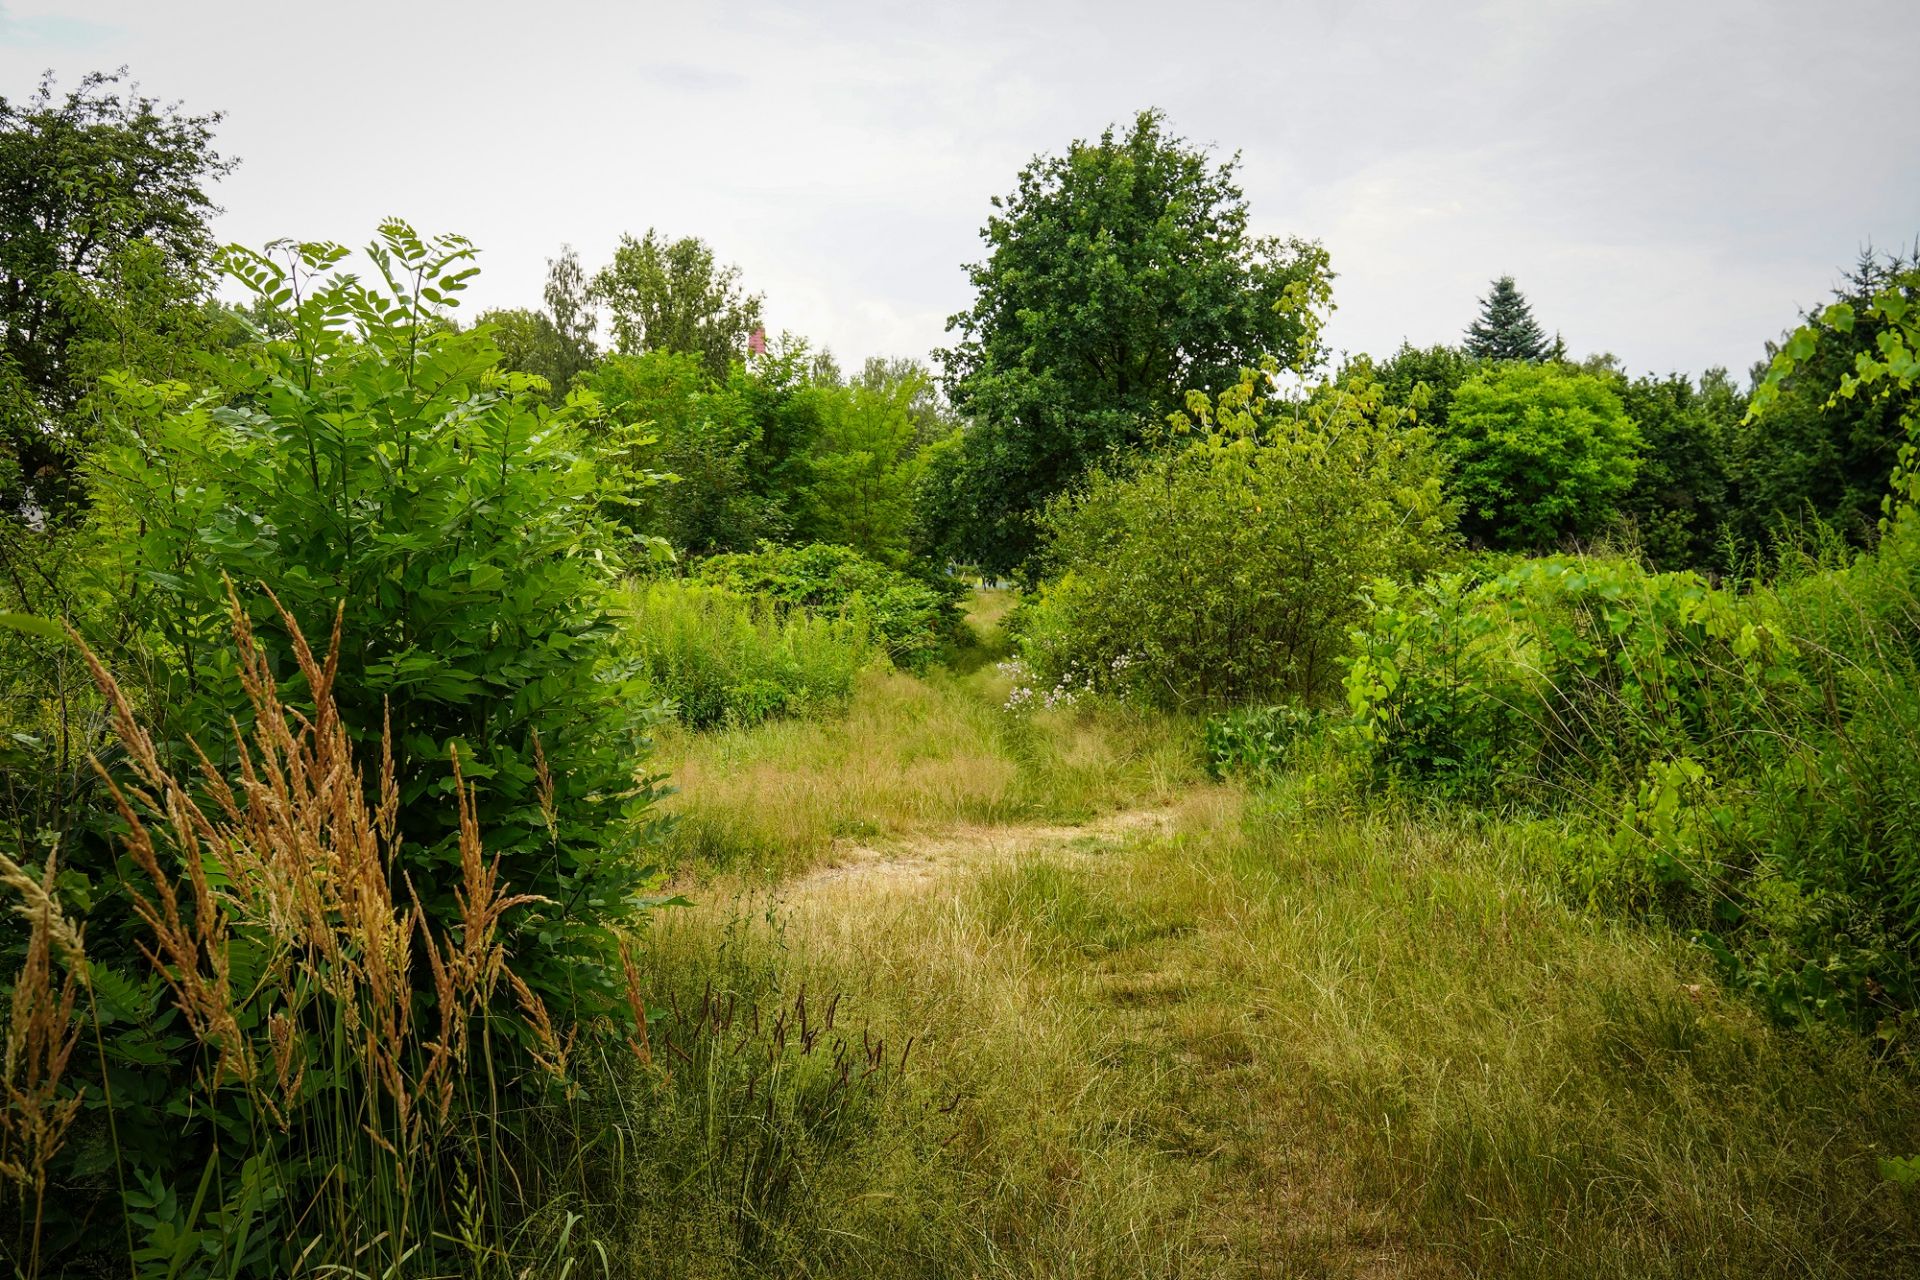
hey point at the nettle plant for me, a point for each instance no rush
(362, 451)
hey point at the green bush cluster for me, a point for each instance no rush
(912, 617)
(376, 463)
(1745, 764)
(720, 658)
(1225, 567)
(1254, 741)
(290, 1046)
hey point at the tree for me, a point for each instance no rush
(738, 449)
(1227, 567)
(1886, 305)
(555, 344)
(863, 466)
(933, 417)
(569, 298)
(1679, 502)
(1117, 277)
(673, 296)
(1506, 329)
(1424, 379)
(1810, 453)
(104, 252)
(1541, 453)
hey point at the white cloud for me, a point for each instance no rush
(1667, 181)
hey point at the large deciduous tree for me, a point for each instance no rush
(1118, 276)
(104, 253)
(673, 295)
(555, 343)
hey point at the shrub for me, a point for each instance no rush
(1559, 670)
(1742, 765)
(1226, 569)
(376, 457)
(721, 658)
(1254, 740)
(1541, 453)
(912, 618)
(298, 1039)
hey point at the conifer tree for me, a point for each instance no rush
(1506, 329)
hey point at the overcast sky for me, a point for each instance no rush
(1669, 181)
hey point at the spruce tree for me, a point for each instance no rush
(1506, 329)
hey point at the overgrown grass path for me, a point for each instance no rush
(1162, 1027)
(923, 860)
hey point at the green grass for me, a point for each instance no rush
(1309, 1048)
(910, 754)
(1209, 1034)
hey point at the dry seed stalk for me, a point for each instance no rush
(41, 1034)
(307, 870)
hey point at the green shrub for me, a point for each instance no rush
(1227, 569)
(912, 618)
(1744, 765)
(1254, 740)
(1559, 670)
(375, 466)
(1541, 453)
(721, 658)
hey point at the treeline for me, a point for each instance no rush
(775, 443)
(335, 630)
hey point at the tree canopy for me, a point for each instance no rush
(673, 295)
(104, 253)
(1541, 452)
(1118, 277)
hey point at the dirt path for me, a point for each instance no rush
(911, 863)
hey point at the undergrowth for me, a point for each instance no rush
(1265, 1042)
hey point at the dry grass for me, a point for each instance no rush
(910, 754)
(1204, 1037)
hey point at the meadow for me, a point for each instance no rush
(1171, 1026)
(1150, 799)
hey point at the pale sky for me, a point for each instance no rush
(1669, 181)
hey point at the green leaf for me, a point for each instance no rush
(33, 626)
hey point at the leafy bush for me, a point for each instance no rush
(1227, 569)
(375, 459)
(1558, 670)
(297, 1038)
(1743, 765)
(1254, 740)
(721, 658)
(912, 618)
(1541, 453)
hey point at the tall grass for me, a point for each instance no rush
(910, 753)
(343, 1075)
(1282, 1045)
(719, 658)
